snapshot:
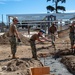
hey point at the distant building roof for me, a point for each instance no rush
(42, 16)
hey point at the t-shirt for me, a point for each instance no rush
(35, 37)
(12, 30)
(52, 29)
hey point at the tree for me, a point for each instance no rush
(56, 8)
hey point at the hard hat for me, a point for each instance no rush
(41, 30)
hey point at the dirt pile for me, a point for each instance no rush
(22, 65)
(24, 39)
(63, 52)
(63, 33)
(69, 61)
(4, 39)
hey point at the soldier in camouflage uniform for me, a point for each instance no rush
(52, 31)
(13, 33)
(72, 36)
(35, 37)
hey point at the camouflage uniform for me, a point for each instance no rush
(71, 35)
(52, 30)
(33, 38)
(12, 39)
(13, 33)
(52, 37)
(33, 47)
(13, 44)
(72, 38)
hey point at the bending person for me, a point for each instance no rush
(35, 37)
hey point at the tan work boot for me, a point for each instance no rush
(14, 57)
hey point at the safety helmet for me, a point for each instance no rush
(41, 30)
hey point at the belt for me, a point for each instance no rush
(12, 36)
(32, 40)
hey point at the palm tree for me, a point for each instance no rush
(56, 8)
(50, 8)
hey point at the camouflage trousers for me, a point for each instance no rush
(33, 47)
(13, 44)
(52, 37)
(72, 38)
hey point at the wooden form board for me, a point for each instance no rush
(40, 70)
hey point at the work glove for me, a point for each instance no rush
(19, 40)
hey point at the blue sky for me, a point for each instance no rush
(30, 6)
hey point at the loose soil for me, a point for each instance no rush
(22, 65)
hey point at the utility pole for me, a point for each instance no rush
(2, 24)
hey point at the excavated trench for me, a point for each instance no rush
(56, 67)
(60, 64)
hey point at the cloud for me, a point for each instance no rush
(4, 1)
